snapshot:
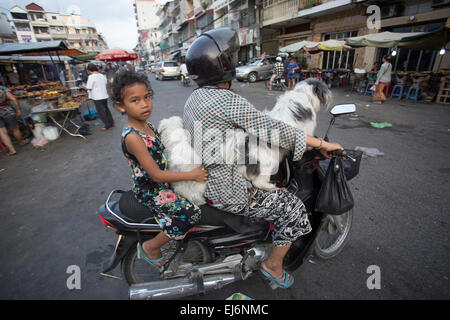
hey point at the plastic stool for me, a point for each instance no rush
(414, 93)
(3, 148)
(368, 91)
(398, 91)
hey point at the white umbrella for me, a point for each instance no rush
(294, 47)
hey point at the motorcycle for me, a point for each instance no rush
(277, 84)
(185, 80)
(224, 248)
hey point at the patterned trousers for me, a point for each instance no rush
(282, 208)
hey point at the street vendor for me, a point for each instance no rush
(8, 120)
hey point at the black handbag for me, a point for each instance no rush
(334, 197)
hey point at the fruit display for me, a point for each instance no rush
(70, 104)
(50, 94)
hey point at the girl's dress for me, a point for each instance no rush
(175, 214)
(291, 68)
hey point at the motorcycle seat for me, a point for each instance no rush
(136, 212)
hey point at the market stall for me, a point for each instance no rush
(331, 74)
(42, 99)
(411, 84)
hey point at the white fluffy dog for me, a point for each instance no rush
(256, 161)
(181, 157)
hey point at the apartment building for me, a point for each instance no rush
(289, 21)
(147, 22)
(7, 34)
(241, 15)
(22, 25)
(181, 22)
(34, 24)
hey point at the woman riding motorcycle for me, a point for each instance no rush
(211, 61)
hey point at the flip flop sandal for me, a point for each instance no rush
(142, 255)
(286, 278)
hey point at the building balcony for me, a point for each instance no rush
(82, 36)
(43, 36)
(280, 11)
(39, 23)
(58, 35)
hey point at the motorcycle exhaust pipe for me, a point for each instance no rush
(179, 288)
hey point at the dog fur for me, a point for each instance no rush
(256, 161)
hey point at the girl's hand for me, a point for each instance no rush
(328, 147)
(199, 175)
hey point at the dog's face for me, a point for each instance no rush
(316, 89)
(171, 130)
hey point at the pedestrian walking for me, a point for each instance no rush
(383, 79)
(96, 86)
(8, 119)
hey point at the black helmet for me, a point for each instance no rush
(212, 57)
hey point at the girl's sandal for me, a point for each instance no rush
(285, 281)
(142, 255)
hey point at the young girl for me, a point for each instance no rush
(144, 152)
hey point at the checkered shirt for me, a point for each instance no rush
(221, 109)
(278, 69)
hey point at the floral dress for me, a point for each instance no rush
(175, 214)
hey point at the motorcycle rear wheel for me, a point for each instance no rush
(139, 271)
(333, 236)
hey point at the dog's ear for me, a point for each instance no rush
(320, 90)
(300, 112)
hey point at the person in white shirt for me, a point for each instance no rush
(183, 71)
(96, 86)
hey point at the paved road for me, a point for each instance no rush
(49, 200)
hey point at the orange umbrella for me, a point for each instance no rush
(116, 55)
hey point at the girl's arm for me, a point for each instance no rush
(136, 146)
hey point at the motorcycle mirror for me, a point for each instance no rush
(341, 109)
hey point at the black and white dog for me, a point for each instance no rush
(259, 160)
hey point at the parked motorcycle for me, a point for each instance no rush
(225, 248)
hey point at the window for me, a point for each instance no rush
(19, 15)
(23, 27)
(409, 59)
(54, 18)
(338, 59)
(170, 64)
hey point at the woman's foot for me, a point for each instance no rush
(11, 154)
(277, 276)
(153, 254)
(24, 142)
(275, 272)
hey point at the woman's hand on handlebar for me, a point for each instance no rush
(328, 147)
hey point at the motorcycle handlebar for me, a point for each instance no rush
(338, 153)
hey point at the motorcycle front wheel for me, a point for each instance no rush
(139, 271)
(333, 235)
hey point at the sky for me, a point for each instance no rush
(114, 19)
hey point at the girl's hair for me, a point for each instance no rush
(127, 78)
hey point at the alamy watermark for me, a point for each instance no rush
(374, 19)
(73, 282)
(374, 280)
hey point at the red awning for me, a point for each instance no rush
(116, 55)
